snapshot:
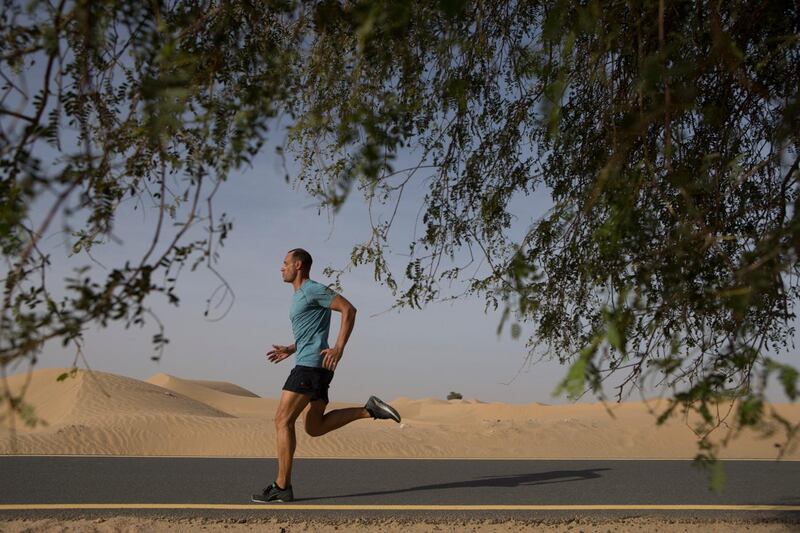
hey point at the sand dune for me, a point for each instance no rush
(222, 386)
(89, 396)
(219, 395)
(102, 413)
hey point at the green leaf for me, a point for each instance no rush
(663, 417)
(453, 8)
(705, 412)
(71, 374)
(750, 411)
(717, 480)
(615, 338)
(575, 381)
(788, 376)
(503, 319)
(573, 384)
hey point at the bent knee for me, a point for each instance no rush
(313, 429)
(314, 432)
(313, 425)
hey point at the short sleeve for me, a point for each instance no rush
(321, 295)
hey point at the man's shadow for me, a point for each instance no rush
(539, 478)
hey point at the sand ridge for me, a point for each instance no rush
(104, 413)
(220, 395)
(222, 386)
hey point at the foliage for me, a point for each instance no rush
(665, 134)
(107, 102)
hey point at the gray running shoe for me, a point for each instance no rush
(377, 408)
(274, 494)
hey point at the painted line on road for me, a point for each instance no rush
(346, 507)
(362, 458)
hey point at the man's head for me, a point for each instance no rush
(296, 263)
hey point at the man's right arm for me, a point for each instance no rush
(279, 353)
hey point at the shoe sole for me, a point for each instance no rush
(388, 409)
(270, 501)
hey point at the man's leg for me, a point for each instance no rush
(319, 423)
(289, 408)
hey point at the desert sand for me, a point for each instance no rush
(102, 413)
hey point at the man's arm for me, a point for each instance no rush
(348, 311)
(279, 353)
(342, 305)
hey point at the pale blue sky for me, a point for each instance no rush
(427, 353)
(447, 346)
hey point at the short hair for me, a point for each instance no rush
(304, 258)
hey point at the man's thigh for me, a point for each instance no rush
(291, 405)
(316, 410)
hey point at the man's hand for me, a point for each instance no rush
(331, 357)
(279, 353)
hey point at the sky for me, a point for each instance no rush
(450, 346)
(414, 353)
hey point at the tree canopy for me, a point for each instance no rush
(665, 133)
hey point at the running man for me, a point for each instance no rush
(307, 385)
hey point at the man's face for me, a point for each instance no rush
(290, 268)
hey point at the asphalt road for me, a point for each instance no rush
(175, 485)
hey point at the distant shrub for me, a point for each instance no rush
(454, 396)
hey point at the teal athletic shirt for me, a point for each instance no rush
(311, 321)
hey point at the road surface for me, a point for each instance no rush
(181, 486)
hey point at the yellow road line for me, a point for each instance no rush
(310, 507)
(361, 458)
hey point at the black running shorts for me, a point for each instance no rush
(311, 381)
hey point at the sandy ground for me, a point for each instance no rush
(126, 524)
(103, 413)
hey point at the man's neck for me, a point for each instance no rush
(297, 282)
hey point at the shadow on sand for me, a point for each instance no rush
(538, 478)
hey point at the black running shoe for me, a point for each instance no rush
(377, 408)
(273, 493)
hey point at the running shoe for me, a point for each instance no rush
(273, 493)
(377, 408)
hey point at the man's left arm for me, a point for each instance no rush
(331, 356)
